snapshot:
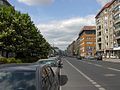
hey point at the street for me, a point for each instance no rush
(90, 75)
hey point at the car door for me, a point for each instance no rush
(45, 85)
(53, 79)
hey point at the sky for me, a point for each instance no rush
(60, 21)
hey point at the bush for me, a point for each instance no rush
(9, 60)
(3, 60)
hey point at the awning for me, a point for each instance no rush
(116, 48)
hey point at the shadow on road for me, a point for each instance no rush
(63, 80)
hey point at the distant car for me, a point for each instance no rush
(90, 58)
(27, 77)
(99, 57)
(53, 63)
(58, 59)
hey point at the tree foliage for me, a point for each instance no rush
(18, 34)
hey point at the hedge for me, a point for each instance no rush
(4, 60)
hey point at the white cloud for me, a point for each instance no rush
(36, 2)
(103, 2)
(62, 33)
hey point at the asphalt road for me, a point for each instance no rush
(90, 75)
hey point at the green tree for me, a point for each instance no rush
(18, 34)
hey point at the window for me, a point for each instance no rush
(90, 32)
(117, 8)
(18, 80)
(89, 38)
(89, 42)
(116, 17)
(117, 25)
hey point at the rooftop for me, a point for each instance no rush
(106, 6)
(89, 28)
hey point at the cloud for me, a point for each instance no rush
(103, 2)
(36, 2)
(62, 33)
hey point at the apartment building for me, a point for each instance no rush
(87, 41)
(4, 2)
(107, 30)
(71, 49)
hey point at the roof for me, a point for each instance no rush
(106, 6)
(19, 67)
(88, 28)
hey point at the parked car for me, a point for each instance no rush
(58, 59)
(90, 58)
(99, 57)
(53, 63)
(27, 77)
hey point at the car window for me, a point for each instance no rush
(52, 63)
(17, 81)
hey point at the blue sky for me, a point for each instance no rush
(60, 20)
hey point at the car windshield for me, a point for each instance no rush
(17, 81)
(52, 63)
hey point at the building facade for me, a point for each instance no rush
(87, 41)
(107, 30)
(4, 2)
(71, 49)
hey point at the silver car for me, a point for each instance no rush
(52, 63)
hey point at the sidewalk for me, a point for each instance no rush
(112, 60)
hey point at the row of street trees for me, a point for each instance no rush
(19, 35)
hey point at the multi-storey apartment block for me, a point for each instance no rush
(4, 2)
(107, 30)
(87, 37)
(71, 49)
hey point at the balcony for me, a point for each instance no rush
(117, 29)
(117, 47)
(117, 21)
(118, 34)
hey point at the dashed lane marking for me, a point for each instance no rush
(88, 78)
(114, 69)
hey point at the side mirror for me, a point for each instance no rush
(60, 66)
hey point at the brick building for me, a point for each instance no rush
(87, 40)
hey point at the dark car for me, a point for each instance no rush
(99, 57)
(27, 77)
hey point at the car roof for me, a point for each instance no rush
(19, 67)
(49, 59)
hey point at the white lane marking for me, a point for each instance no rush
(88, 78)
(109, 75)
(98, 65)
(60, 86)
(114, 69)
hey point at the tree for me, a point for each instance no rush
(18, 34)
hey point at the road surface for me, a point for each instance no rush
(90, 75)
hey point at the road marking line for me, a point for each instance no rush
(88, 78)
(98, 65)
(109, 75)
(103, 66)
(60, 86)
(114, 69)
